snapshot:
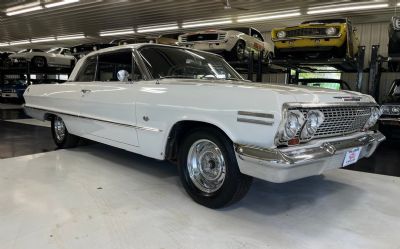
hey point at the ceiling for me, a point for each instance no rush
(93, 16)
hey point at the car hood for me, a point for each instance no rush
(296, 93)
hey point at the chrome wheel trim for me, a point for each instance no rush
(59, 129)
(206, 166)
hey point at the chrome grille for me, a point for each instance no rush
(341, 121)
(7, 90)
(306, 32)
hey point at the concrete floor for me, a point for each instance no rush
(100, 197)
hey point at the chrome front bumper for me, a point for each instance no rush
(283, 165)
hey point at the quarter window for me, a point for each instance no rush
(88, 70)
(111, 63)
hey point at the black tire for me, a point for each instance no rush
(68, 140)
(238, 53)
(235, 184)
(39, 62)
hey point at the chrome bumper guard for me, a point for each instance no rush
(283, 165)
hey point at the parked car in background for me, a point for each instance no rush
(55, 57)
(191, 107)
(389, 122)
(330, 38)
(234, 43)
(134, 40)
(4, 57)
(13, 89)
(394, 44)
(81, 50)
(335, 84)
(168, 39)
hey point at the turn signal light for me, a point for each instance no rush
(294, 141)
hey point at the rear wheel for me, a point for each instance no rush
(62, 138)
(39, 62)
(209, 171)
(239, 51)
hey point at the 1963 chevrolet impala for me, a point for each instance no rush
(191, 107)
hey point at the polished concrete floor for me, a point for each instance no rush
(100, 197)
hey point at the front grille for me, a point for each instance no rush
(341, 121)
(202, 37)
(7, 90)
(306, 32)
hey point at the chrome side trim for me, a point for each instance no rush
(256, 114)
(255, 121)
(390, 119)
(96, 119)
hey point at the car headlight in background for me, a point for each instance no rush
(331, 31)
(313, 121)
(375, 114)
(294, 122)
(390, 110)
(281, 34)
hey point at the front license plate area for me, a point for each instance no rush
(352, 156)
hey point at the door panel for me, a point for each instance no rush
(108, 103)
(108, 111)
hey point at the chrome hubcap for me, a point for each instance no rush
(206, 166)
(59, 128)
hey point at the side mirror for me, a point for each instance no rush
(123, 75)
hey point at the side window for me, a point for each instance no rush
(88, 70)
(112, 63)
(66, 51)
(257, 35)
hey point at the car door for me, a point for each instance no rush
(108, 102)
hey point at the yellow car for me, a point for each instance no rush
(317, 39)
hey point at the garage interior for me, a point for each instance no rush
(97, 196)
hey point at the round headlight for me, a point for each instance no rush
(281, 34)
(294, 122)
(396, 110)
(314, 120)
(385, 109)
(375, 114)
(331, 31)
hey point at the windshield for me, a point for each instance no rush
(54, 51)
(168, 62)
(334, 86)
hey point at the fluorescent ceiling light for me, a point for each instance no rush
(212, 22)
(70, 37)
(17, 12)
(20, 42)
(398, 4)
(56, 4)
(4, 44)
(269, 16)
(117, 32)
(23, 6)
(45, 39)
(155, 28)
(341, 8)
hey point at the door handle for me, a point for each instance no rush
(84, 91)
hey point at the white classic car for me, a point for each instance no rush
(191, 107)
(55, 57)
(235, 43)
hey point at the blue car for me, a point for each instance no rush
(13, 89)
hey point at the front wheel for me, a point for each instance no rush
(62, 138)
(209, 171)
